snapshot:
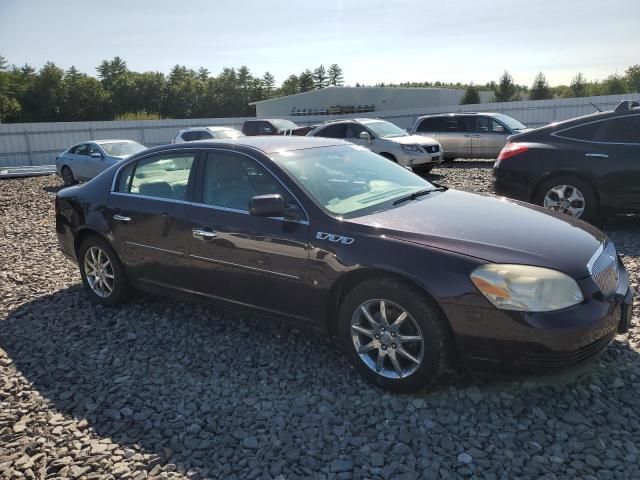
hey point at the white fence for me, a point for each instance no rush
(38, 143)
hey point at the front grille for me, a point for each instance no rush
(431, 148)
(565, 359)
(604, 269)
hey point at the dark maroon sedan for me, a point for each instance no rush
(330, 236)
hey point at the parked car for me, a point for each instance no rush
(206, 133)
(580, 167)
(469, 134)
(85, 160)
(332, 237)
(272, 126)
(386, 139)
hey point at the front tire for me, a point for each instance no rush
(393, 334)
(102, 273)
(569, 195)
(67, 176)
(389, 157)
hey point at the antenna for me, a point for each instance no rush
(595, 106)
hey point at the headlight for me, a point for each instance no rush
(526, 288)
(412, 148)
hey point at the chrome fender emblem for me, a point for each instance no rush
(334, 238)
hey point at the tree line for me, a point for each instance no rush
(52, 94)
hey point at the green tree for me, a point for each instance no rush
(614, 85)
(290, 86)
(471, 96)
(632, 78)
(578, 86)
(336, 78)
(506, 90)
(82, 97)
(305, 81)
(540, 89)
(268, 84)
(320, 77)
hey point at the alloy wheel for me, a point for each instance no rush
(99, 271)
(387, 338)
(565, 199)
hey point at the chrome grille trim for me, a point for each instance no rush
(604, 269)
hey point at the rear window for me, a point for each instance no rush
(587, 132)
(621, 130)
(333, 131)
(435, 124)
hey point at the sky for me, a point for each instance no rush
(373, 41)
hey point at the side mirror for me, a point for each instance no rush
(271, 205)
(96, 155)
(365, 136)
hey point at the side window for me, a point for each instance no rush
(621, 130)
(190, 136)
(354, 130)
(486, 125)
(205, 135)
(333, 131)
(231, 180)
(164, 176)
(250, 128)
(456, 124)
(82, 149)
(72, 150)
(434, 124)
(94, 149)
(588, 132)
(266, 128)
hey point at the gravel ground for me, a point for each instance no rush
(162, 388)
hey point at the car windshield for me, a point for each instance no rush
(121, 149)
(385, 129)
(512, 123)
(284, 124)
(226, 133)
(349, 181)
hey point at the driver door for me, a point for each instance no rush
(236, 257)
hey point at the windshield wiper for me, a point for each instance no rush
(418, 194)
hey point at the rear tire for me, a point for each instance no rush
(67, 176)
(568, 195)
(414, 350)
(102, 273)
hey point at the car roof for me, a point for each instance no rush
(266, 144)
(455, 114)
(111, 140)
(213, 128)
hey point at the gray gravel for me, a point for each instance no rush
(161, 388)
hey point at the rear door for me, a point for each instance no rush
(81, 162)
(619, 139)
(455, 137)
(431, 127)
(148, 215)
(95, 165)
(488, 136)
(243, 259)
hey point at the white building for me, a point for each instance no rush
(343, 100)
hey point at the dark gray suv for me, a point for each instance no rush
(469, 134)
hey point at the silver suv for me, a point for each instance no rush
(206, 133)
(469, 134)
(386, 139)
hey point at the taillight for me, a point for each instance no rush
(511, 149)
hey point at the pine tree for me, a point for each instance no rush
(632, 78)
(305, 81)
(268, 84)
(471, 96)
(290, 86)
(320, 77)
(335, 76)
(506, 89)
(540, 89)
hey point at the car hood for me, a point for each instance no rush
(497, 230)
(412, 140)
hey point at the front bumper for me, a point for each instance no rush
(488, 338)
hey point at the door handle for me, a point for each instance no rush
(597, 155)
(204, 234)
(122, 218)
(468, 135)
(476, 136)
